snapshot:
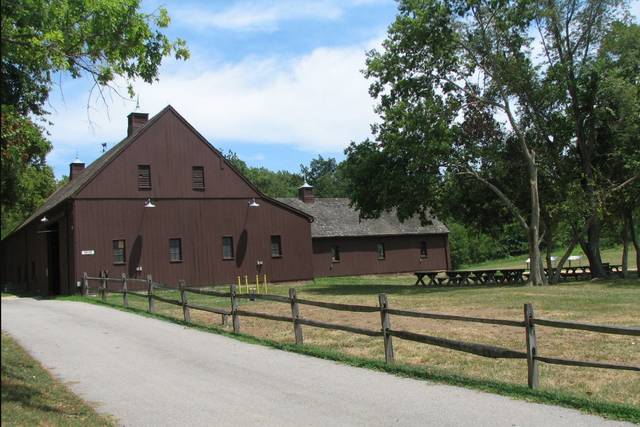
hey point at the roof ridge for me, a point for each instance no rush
(73, 186)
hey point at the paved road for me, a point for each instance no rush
(148, 372)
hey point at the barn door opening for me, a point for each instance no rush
(53, 259)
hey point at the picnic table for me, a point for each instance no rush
(512, 275)
(503, 276)
(430, 274)
(471, 277)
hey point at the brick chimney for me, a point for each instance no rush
(75, 168)
(135, 122)
(305, 193)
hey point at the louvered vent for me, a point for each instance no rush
(197, 178)
(144, 177)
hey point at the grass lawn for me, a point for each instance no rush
(31, 397)
(611, 255)
(607, 302)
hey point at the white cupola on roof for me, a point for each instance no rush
(305, 193)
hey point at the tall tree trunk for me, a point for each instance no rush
(635, 240)
(547, 254)
(592, 248)
(625, 246)
(555, 278)
(537, 276)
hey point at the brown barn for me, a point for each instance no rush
(165, 202)
(343, 244)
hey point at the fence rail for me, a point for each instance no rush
(528, 323)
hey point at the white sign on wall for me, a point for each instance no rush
(88, 252)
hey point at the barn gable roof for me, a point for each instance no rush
(334, 217)
(74, 186)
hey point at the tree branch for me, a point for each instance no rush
(508, 203)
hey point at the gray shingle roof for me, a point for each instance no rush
(334, 217)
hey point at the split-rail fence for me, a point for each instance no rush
(387, 332)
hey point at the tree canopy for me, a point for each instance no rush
(502, 93)
(99, 39)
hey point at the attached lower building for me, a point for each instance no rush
(344, 244)
(165, 202)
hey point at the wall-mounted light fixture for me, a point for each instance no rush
(149, 204)
(44, 219)
(253, 204)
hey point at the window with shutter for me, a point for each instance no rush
(335, 254)
(197, 178)
(227, 247)
(175, 250)
(118, 252)
(276, 247)
(144, 177)
(423, 249)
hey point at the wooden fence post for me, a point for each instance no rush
(152, 305)
(85, 284)
(125, 291)
(386, 325)
(185, 304)
(104, 287)
(234, 310)
(532, 348)
(295, 314)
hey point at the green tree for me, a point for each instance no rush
(616, 157)
(444, 59)
(36, 183)
(23, 146)
(273, 184)
(100, 39)
(326, 176)
(97, 39)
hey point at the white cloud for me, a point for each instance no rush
(317, 102)
(259, 15)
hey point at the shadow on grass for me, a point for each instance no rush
(390, 289)
(630, 282)
(17, 386)
(26, 396)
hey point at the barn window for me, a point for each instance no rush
(118, 252)
(423, 249)
(175, 250)
(197, 178)
(144, 177)
(276, 247)
(227, 247)
(335, 254)
(380, 250)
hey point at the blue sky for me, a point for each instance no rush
(277, 82)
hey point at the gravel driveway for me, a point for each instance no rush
(147, 372)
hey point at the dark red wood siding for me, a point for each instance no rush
(111, 207)
(358, 255)
(200, 224)
(171, 148)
